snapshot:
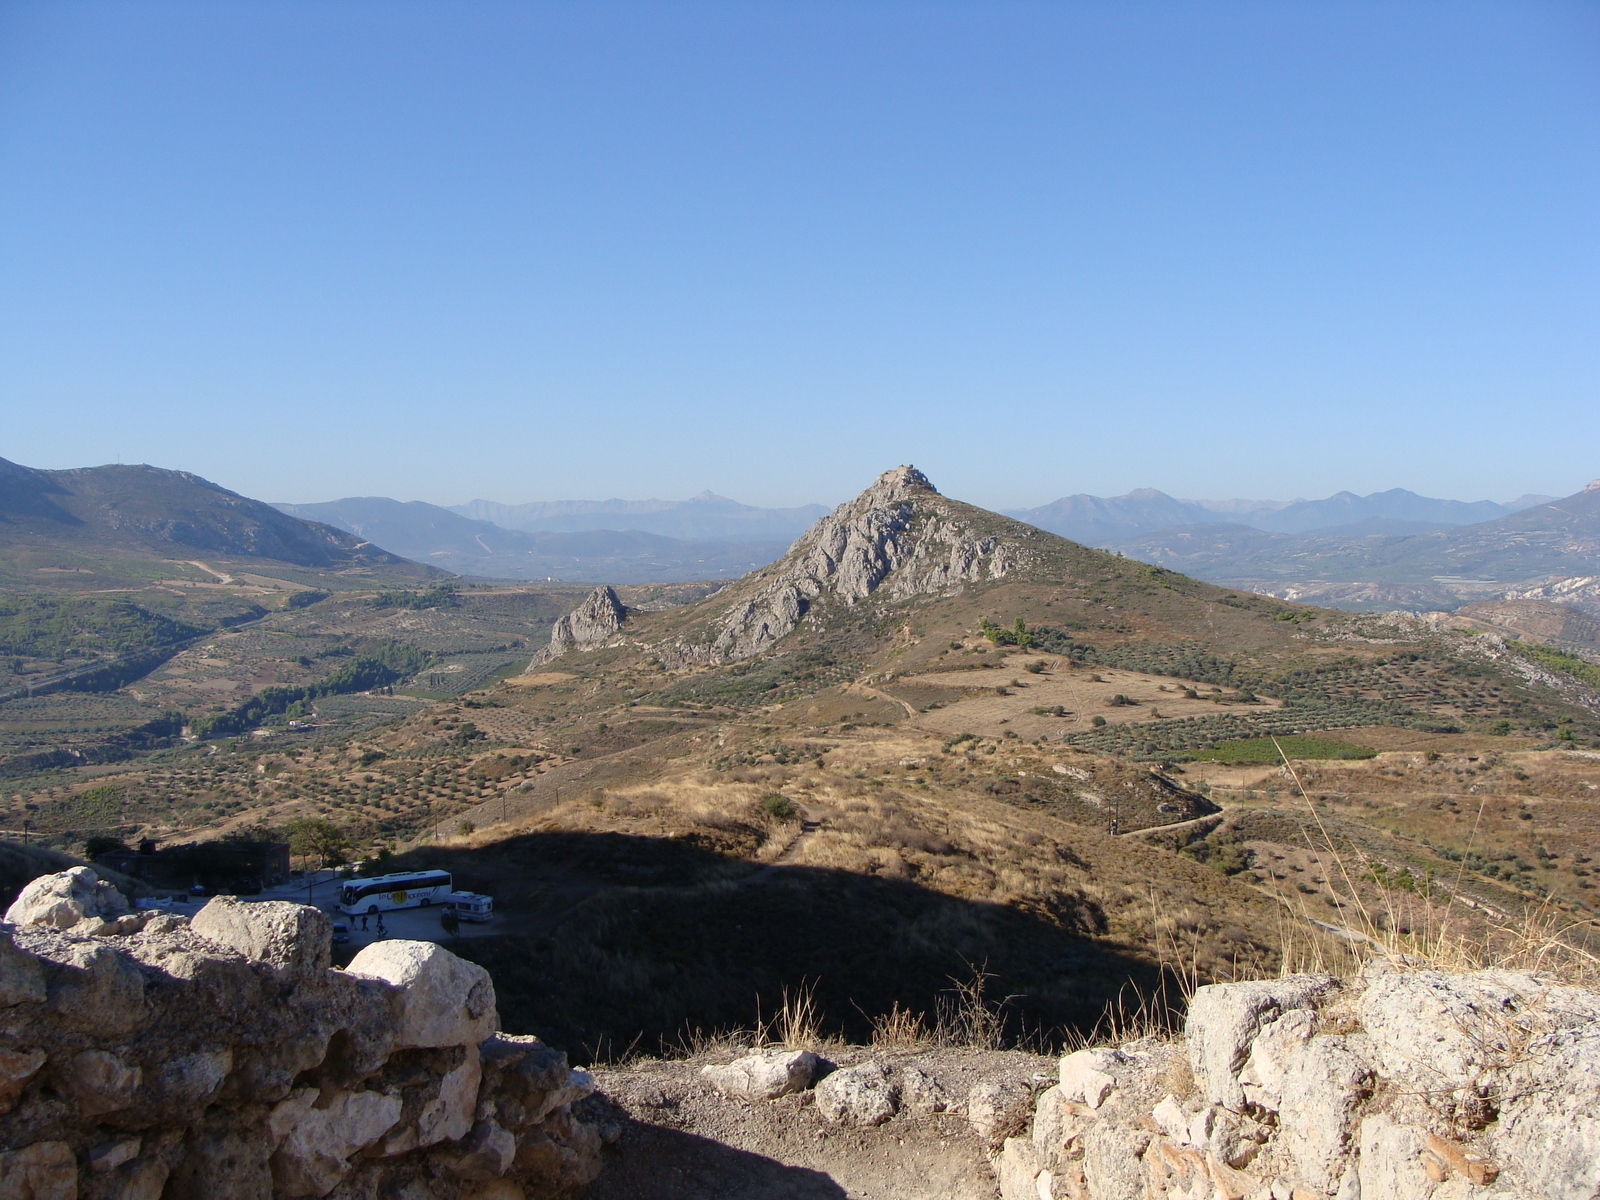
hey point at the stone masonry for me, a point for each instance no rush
(145, 1056)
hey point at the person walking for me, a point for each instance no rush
(363, 922)
(382, 932)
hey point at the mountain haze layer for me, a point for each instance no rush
(467, 546)
(707, 516)
(1102, 520)
(1535, 547)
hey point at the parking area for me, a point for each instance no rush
(321, 889)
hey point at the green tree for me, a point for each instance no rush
(102, 843)
(318, 836)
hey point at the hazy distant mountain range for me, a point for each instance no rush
(707, 515)
(1099, 520)
(443, 538)
(93, 526)
(712, 537)
(1352, 567)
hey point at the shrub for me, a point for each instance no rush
(775, 804)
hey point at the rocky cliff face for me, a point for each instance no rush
(899, 537)
(1402, 1085)
(143, 1056)
(593, 623)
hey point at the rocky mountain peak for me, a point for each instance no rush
(900, 536)
(896, 484)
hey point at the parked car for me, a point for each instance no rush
(341, 933)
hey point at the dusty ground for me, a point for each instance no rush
(686, 1141)
(971, 700)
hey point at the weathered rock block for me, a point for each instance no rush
(444, 1000)
(66, 900)
(861, 1095)
(293, 938)
(764, 1075)
(42, 1171)
(999, 1108)
(1223, 1021)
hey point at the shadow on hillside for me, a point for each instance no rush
(643, 942)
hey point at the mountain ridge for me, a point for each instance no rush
(1099, 520)
(129, 510)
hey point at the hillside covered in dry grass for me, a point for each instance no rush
(929, 747)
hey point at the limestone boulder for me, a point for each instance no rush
(193, 1079)
(999, 1107)
(1547, 1139)
(108, 1156)
(101, 1082)
(1112, 1169)
(443, 1000)
(292, 938)
(862, 1095)
(92, 989)
(1392, 1162)
(17, 1069)
(1224, 1019)
(764, 1075)
(1324, 1085)
(488, 1153)
(315, 1154)
(450, 1115)
(215, 1163)
(1017, 1170)
(1277, 1042)
(921, 1092)
(1089, 1076)
(21, 978)
(42, 1171)
(67, 900)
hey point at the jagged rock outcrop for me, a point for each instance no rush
(899, 537)
(592, 624)
(1404, 1084)
(224, 1059)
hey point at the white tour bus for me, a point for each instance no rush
(404, 889)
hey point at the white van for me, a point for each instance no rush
(403, 889)
(471, 906)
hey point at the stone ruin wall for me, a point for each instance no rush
(144, 1056)
(1403, 1084)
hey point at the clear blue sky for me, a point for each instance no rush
(548, 250)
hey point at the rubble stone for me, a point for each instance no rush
(764, 1075)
